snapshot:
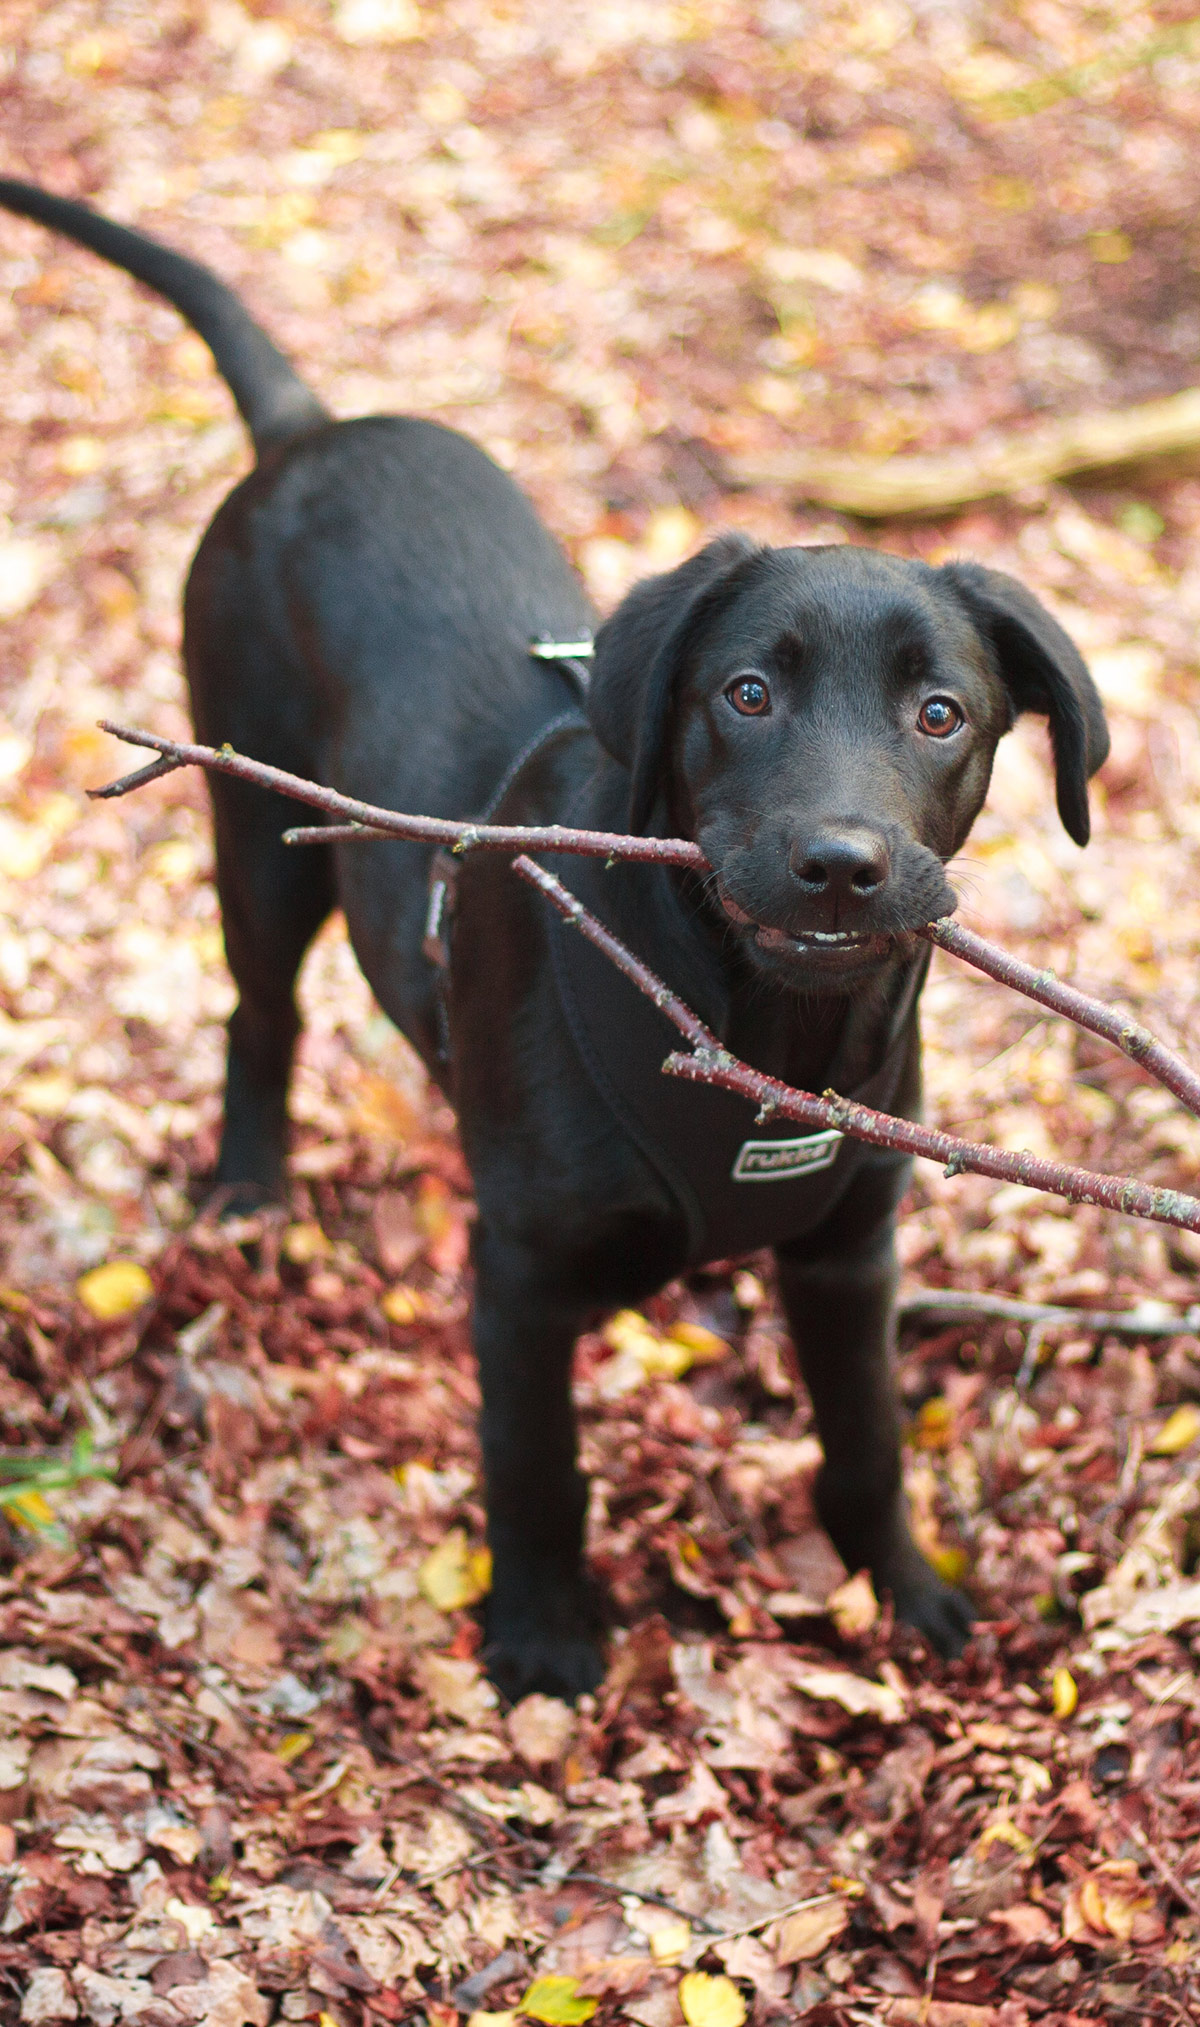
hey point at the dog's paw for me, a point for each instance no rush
(555, 1664)
(942, 1614)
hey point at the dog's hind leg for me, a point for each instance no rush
(838, 1289)
(274, 898)
(541, 1634)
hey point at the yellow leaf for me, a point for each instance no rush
(115, 1290)
(302, 1244)
(935, 1424)
(508, 2019)
(555, 2001)
(950, 1564)
(1178, 1432)
(454, 1575)
(705, 1346)
(29, 1507)
(1063, 1693)
(401, 1304)
(710, 2002)
(328, 2020)
(293, 1746)
(667, 1944)
(1004, 1832)
(1110, 247)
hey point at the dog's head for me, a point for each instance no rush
(823, 721)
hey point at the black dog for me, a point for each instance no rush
(822, 721)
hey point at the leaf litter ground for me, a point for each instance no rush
(249, 1766)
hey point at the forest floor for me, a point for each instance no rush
(249, 1766)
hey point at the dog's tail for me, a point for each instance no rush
(273, 399)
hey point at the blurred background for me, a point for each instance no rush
(635, 249)
(649, 254)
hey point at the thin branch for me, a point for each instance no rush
(461, 837)
(1129, 1036)
(710, 1063)
(1147, 1319)
(363, 820)
(139, 779)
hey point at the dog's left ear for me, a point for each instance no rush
(638, 655)
(1043, 671)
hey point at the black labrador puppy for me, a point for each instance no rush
(822, 721)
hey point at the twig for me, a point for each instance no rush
(647, 1899)
(368, 822)
(1129, 1036)
(710, 1063)
(1165, 1872)
(750, 1928)
(144, 775)
(1148, 1319)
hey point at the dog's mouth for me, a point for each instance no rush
(823, 943)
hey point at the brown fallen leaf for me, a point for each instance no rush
(1112, 1900)
(1025, 1923)
(810, 1930)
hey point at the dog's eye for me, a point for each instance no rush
(938, 717)
(750, 696)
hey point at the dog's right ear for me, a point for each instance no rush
(638, 655)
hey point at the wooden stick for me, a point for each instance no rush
(1146, 1319)
(366, 821)
(1129, 1036)
(711, 1063)
(459, 836)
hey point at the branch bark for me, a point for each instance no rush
(364, 820)
(711, 1063)
(1129, 1036)
(1145, 1319)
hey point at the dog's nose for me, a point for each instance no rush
(844, 865)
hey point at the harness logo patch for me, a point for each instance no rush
(781, 1160)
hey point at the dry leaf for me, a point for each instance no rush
(1064, 1693)
(455, 1575)
(853, 1606)
(557, 2001)
(1112, 1900)
(302, 1244)
(1026, 1924)
(541, 1728)
(855, 1694)
(668, 1943)
(115, 1290)
(708, 2001)
(810, 1930)
(1178, 1432)
(456, 1688)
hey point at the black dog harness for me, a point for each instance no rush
(741, 1184)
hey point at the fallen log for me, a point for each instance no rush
(928, 484)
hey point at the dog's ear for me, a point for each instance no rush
(1043, 671)
(638, 655)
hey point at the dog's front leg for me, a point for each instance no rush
(840, 1307)
(540, 1632)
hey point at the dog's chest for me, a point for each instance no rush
(741, 1184)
